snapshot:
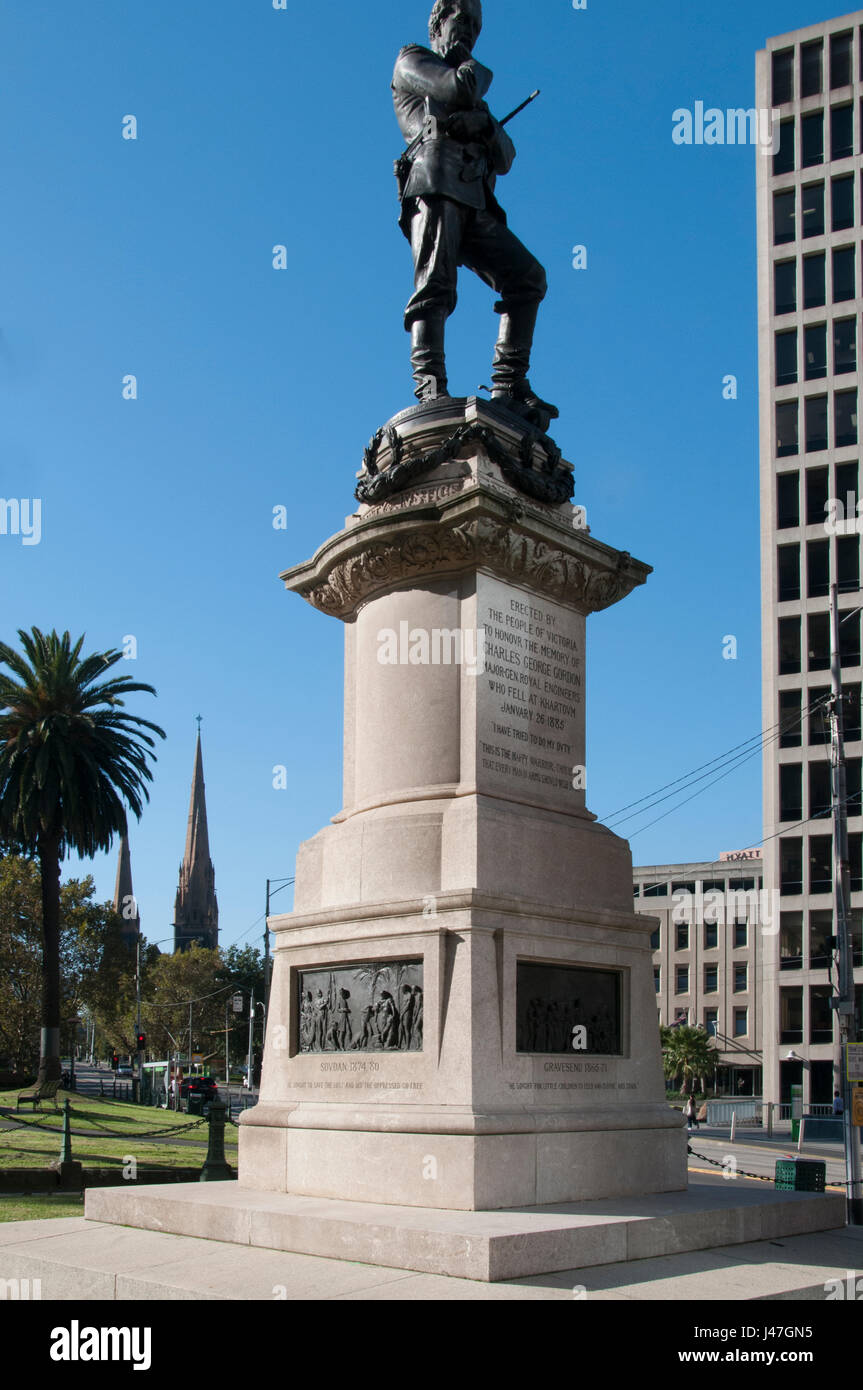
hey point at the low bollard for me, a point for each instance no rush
(69, 1173)
(216, 1167)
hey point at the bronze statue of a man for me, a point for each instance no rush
(450, 214)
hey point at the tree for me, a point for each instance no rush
(686, 1055)
(86, 931)
(182, 987)
(71, 761)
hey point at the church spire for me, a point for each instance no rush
(125, 903)
(196, 911)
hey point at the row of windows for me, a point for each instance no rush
(791, 1008)
(711, 936)
(818, 497)
(820, 864)
(707, 885)
(817, 434)
(786, 299)
(791, 716)
(843, 338)
(710, 1021)
(817, 643)
(812, 220)
(822, 943)
(820, 791)
(810, 67)
(812, 148)
(711, 979)
(846, 569)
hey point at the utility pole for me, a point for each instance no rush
(843, 1003)
(251, 1027)
(267, 948)
(139, 1056)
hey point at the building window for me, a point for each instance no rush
(786, 428)
(656, 890)
(848, 564)
(821, 940)
(817, 569)
(654, 939)
(851, 706)
(820, 798)
(852, 786)
(657, 978)
(783, 217)
(785, 287)
(741, 1023)
(783, 76)
(711, 1022)
(783, 160)
(791, 1015)
(791, 865)
(789, 646)
(812, 139)
(788, 573)
(810, 68)
(820, 1014)
(820, 864)
(815, 352)
(786, 356)
(841, 132)
(844, 280)
(711, 979)
(741, 935)
(790, 792)
(681, 978)
(741, 979)
(812, 202)
(682, 937)
(814, 281)
(840, 62)
(819, 719)
(790, 941)
(787, 501)
(789, 719)
(818, 643)
(855, 861)
(817, 493)
(711, 936)
(844, 348)
(842, 203)
(849, 639)
(816, 424)
(846, 418)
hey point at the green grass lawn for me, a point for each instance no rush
(37, 1208)
(32, 1147)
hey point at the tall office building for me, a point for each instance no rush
(810, 228)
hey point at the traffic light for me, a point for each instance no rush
(141, 1041)
(115, 1060)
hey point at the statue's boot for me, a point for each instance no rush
(427, 356)
(511, 387)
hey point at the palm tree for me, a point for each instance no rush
(69, 760)
(687, 1055)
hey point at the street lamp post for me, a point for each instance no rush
(271, 893)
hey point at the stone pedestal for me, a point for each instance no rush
(462, 1012)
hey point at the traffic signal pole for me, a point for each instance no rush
(844, 1002)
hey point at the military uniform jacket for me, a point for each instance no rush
(425, 86)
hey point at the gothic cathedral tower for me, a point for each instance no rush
(196, 911)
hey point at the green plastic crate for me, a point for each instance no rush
(800, 1175)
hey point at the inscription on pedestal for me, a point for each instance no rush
(531, 700)
(561, 1008)
(372, 1007)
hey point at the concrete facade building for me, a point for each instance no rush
(707, 956)
(810, 229)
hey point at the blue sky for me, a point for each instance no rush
(260, 388)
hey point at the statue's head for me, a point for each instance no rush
(454, 27)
